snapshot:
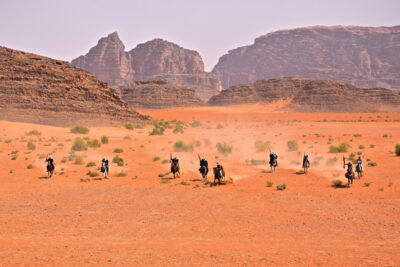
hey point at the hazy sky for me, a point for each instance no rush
(67, 29)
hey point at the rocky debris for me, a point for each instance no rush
(311, 95)
(158, 94)
(154, 60)
(362, 56)
(43, 90)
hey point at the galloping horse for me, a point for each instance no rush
(203, 167)
(349, 173)
(104, 168)
(359, 170)
(219, 174)
(50, 166)
(306, 163)
(175, 169)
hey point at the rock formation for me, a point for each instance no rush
(153, 60)
(43, 90)
(362, 56)
(158, 94)
(311, 95)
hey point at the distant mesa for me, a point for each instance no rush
(316, 95)
(158, 94)
(362, 56)
(42, 90)
(154, 60)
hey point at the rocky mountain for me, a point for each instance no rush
(362, 56)
(158, 94)
(311, 95)
(154, 60)
(43, 90)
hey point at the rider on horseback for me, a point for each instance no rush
(359, 163)
(306, 162)
(174, 161)
(273, 157)
(220, 169)
(104, 165)
(50, 161)
(349, 171)
(204, 162)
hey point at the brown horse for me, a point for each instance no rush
(219, 174)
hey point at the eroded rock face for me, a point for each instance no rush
(153, 60)
(158, 94)
(362, 56)
(311, 95)
(43, 90)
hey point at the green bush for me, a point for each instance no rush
(79, 145)
(157, 131)
(341, 148)
(195, 124)
(91, 164)
(181, 146)
(34, 132)
(156, 158)
(281, 187)
(357, 135)
(118, 160)
(129, 126)
(118, 150)
(224, 148)
(258, 162)
(269, 184)
(93, 143)
(372, 164)
(30, 166)
(361, 147)
(92, 173)
(397, 149)
(337, 183)
(80, 129)
(178, 129)
(104, 139)
(31, 145)
(292, 145)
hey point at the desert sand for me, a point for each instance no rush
(141, 219)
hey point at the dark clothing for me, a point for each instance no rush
(204, 163)
(273, 158)
(104, 166)
(306, 162)
(175, 161)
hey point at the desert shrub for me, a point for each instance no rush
(367, 184)
(341, 148)
(195, 123)
(122, 174)
(337, 183)
(156, 158)
(178, 129)
(357, 135)
(93, 143)
(129, 126)
(361, 147)
(80, 129)
(397, 149)
(31, 145)
(281, 187)
(261, 146)
(30, 166)
(7, 141)
(118, 160)
(181, 146)
(157, 131)
(90, 164)
(258, 162)
(269, 184)
(92, 173)
(372, 146)
(34, 132)
(79, 145)
(104, 139)
(385, 136)
(220, 126)
(292, 145)
(372, 164)
(118, 150)
(224, 148)
(78, 159)
(161, 175)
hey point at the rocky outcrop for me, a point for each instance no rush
(362, 56)
(311, 95)
(153, 60)
(43, 90)
(158, 94)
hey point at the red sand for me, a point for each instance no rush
(137, 220)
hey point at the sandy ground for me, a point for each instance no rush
(141, 219)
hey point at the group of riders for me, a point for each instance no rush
(219, 172)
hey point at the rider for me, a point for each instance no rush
(349, 168)
(50, 161)
(220, 169)
(359, 163)
(174, 161)
(204, 162)
(104, 165)
(306, 162)
(273, 156)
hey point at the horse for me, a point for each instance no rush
(306, 165)
(219, 174)
(359, 170)
(175, 169)
(104, 170)
(350, 177)
(50, 169)
(203, 170)
(273, 164)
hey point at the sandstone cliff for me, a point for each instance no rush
(362, 56)
(311, 95)
(158, 94)
(153, 60)
(43, 90)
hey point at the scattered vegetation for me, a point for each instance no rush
(78, 159)
(30, 166)
(34, 132)
(159, 127)
(357, 135)
(93, 143)
(90, 164)
(195, 123)
(80, 129)
(258, 162)
(361, 147)
(397, 149)
(224, 148)
(156, 158)
(341, 148)
(79, 145)
(292, 145)
(122, 174)
(181, 146)
(261, 146)
(281, 187)
(118, 150)
(129, 126)
(372, 164)
(366, 184)
(30, 145)
(118, 160)
(269, 184)
(104, 139)
(92, 173)
(165, 161)
(337, 183)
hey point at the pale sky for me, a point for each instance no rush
(67, 29)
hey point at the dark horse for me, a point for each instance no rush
(203, 167)
(219, 174)
(273, 164)
(306, 164)
(175, 169)
(50, 167)
(349, 173)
